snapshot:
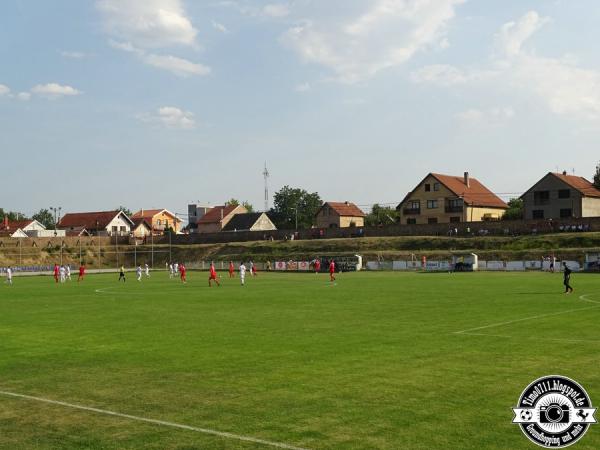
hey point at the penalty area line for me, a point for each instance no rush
(164, 423)
(540, 316)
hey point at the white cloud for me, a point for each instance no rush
(559, 83)
(4, 90)
(513, 35)
(24, 96)
(171, 117)
(179, 66)
(386, 34)
(492, 116)
(54, 90)
(148, 23)
(73, 55)
(444, 43)
(441, 74)
(276, 10)
(220, 27)
(302, 87)
(141, 26)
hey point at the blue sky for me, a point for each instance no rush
(156, 103)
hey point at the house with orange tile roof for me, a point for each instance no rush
(561, 196)
(159, 220)
(450, 199)
(216, 218)
(339, 215)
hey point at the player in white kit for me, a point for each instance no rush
(8, 275)
(69, 272)
(63, 273)
(242, 273)
(147, 269)
(138, 272)
(171, 272)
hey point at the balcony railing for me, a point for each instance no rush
(454, 209)
(412, 211)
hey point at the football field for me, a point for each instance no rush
(376, 361)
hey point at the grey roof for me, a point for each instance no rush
(242, 222)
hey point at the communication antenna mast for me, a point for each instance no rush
(266, 176)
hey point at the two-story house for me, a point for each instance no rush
(159, 219)
(218, 217)
(446, 199)
(560, 196)
(339, 215)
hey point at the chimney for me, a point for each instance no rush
(222, 213)
(564, 172)
(467, 180)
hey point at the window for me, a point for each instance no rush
(158, 222)
(454, 219)
(432, 204)
(538, 213)
(427, 187)
(114, 228)
(436, 186)
(541, 197)
(564, 193)
(415, 204)
(455, 203)
(564, 213)
(123, 229)
(412, 221)
(432, 220)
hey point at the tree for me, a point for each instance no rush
(235, 202)
(45, 217)
(246, 204)
(515, 209)
(12, 215)
(381, 215)
(597, 176)
(289, 203)
(127, 211)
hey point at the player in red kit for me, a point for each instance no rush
(182, 271)
(81, 273)
(317, 265)
(213, 275)
(56, 272)
(231, 269)
(332, 270)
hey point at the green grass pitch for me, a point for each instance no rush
(372, 362)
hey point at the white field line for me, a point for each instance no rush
(584, 297)
(222, 434)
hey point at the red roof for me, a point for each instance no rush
(148, 214)
(14, 225)
(475, 194)
(89, 220)
(214, 215)
(345, 209)
(584, 186)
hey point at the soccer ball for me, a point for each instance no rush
(526, 415)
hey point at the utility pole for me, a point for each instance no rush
(56, 217)
(266, 177)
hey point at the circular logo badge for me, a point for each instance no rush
(554, 412)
